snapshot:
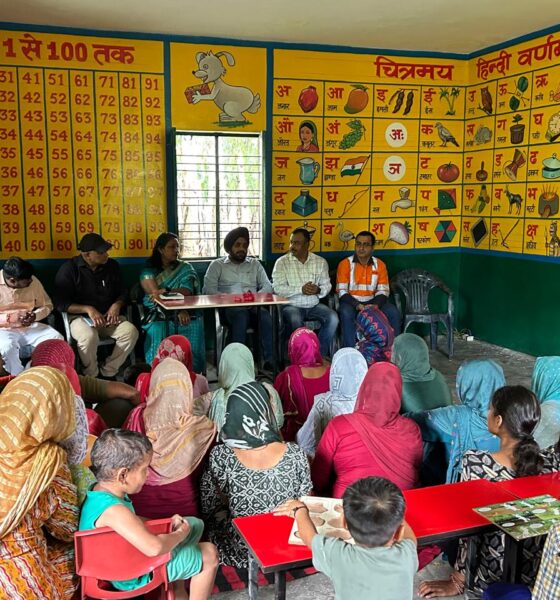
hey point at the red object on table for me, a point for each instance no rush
(222, 301)
(537, 485)
(446, 511)
(267, 537)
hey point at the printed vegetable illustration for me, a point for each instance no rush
(399, 233)
(308, 99)
(399, 95)
(350, 139)
(449, 96)
(409, 102)
(448, 172)
(357, 100)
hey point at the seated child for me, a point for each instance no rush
(384, 557)
(120, 461)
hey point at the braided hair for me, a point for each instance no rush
(521, 412)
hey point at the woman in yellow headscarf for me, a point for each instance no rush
(36, 490)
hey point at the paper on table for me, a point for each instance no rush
(172, 296)
(326, 514)
(524, 518)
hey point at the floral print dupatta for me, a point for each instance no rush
(249, 421)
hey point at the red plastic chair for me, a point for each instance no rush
(102, 555)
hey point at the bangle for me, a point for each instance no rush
(298, 507)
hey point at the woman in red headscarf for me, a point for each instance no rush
(374, 440)
(298, 384)
(179, 348)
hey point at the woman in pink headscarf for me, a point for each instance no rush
(177, 347)
(298, 384)
(374, 440)
(181, 443)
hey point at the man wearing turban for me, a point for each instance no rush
(238, 273)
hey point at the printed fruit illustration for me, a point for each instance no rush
(357, 100)
(308, 99)
(448, 172)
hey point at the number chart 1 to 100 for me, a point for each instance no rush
(81, 150)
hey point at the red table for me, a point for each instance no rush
(444, 512)
(526, 487)
(436, 514)
(266, 537)
(219, 301)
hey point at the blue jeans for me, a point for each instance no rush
(294, 317)
(348, 321)
(240, 319)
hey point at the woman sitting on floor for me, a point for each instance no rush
(375, 335)
(462, 427)
(375, 440)
(252, 472)
(236, 368)
(38, 504)
(513, 415)
(178, 348)
(347, 372)
(306, 377)
(181, 442)
(546, 385)
(113, 399)
(166, 272)
(424, 387)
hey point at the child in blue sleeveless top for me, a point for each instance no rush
(120, 461)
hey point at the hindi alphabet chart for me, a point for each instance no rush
(512, 150)
(366, 143)
(82, 143)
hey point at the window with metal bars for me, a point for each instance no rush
(219, 186)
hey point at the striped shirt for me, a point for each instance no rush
(547, 586)
(290, 275)
(362, 282)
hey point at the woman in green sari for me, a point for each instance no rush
(165, 272)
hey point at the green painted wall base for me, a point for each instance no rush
(511, 302)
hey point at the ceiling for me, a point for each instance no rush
(458, 26)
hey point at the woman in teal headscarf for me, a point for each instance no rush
(546, 386)
(464, 427)
(424, 388)
(166, 272)
(236, 368)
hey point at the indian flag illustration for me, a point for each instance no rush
(354, 166)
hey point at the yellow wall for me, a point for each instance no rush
(522, 81)
(83, 123)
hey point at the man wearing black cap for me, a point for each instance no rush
(237, 273)
(91, 289)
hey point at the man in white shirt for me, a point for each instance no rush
(303, 278)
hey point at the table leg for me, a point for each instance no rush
(512, 551)
(276, 342)
(253, 584)
(280, 585)
(471, 561)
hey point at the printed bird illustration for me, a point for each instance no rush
(344, 235)
(445, 135)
